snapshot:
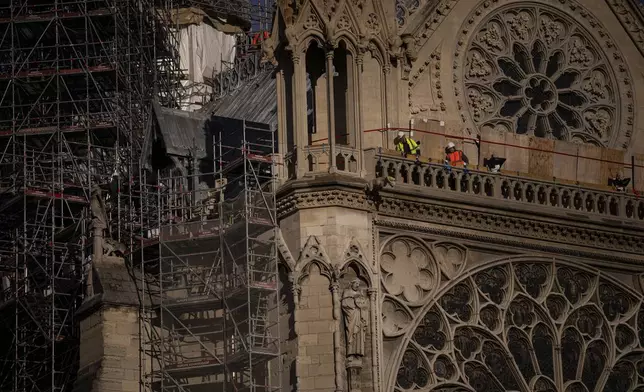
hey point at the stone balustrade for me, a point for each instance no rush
(507, 187)
(317, 159)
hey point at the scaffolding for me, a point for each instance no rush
(77, 82)
(74, 77)
(211, 271)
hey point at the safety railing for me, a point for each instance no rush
(501, 186)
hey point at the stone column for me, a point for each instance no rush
(300, 138)
(97, 255)
(359, 132)
(295, 291)
(373, 307)
(337, 337)
(282, 126)
(386, 70)
(331, 108)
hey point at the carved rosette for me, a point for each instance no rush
(538, 70)
(526, 324)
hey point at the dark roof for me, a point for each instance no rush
(255, 100)
(183, 132)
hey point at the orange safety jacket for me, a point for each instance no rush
(456, 157)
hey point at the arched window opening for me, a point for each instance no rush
(343, 96)
(289, 74)
(316, 107)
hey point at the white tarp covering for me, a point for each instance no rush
(202, 49)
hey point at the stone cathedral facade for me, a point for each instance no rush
(524, 280)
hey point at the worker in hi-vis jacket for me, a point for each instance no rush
(406, 145)
(454, 157)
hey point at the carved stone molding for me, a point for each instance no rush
(313, 253)
(515, 226)
(631, 19)
(491, 227)
(604, 123)
(360, 24)
(433, 64)
(353, 253)
(424, 29)
(326, 198)
(515, 242)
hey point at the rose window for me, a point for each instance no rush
(527, 326)
(535, 71)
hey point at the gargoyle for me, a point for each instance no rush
(377, 184)
(112, 248)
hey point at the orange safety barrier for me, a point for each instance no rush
(260, 37)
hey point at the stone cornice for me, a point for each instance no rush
(599, 239)
(516, 241)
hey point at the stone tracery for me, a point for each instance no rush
(498, 329)
(404, 9)
(407, 270)
(533, 70)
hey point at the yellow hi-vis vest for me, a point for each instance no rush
(411, 143)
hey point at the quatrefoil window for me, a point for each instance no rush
(533, 70)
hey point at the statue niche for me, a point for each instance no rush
(355, 309)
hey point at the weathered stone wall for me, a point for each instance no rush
(109, 352)
(315, 327)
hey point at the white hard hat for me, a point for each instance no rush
(401, 134)
(451, 145)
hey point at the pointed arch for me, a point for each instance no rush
(310, 24)
(345, 24)
(313, 253)
(381, 52)
(354, 255)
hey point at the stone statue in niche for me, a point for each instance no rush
(103, 243)
(355, 308)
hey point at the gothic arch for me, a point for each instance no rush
(497, 326)
(349, 41)
(378, 51)
(313, 253)
(354, 255)
(311, 36)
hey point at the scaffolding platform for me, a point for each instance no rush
(213, 280)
